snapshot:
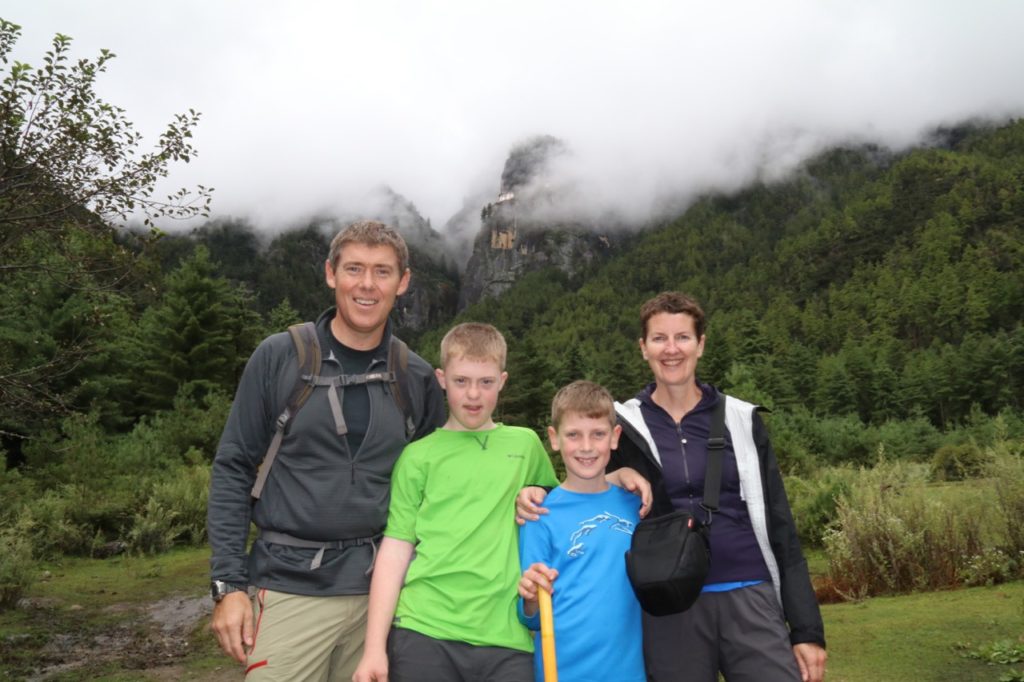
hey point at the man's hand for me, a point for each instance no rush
(372, 668)
(631, 480)
(536, 577)
(233, 624)
(811, 659)
(528, 503)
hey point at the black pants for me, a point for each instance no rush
(414, 657)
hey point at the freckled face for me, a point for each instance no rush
(672, 348)
(366, 283)
(586, 445)
(472, 387)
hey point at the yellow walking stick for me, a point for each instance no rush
(547, 636)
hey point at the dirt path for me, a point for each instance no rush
(152, 641)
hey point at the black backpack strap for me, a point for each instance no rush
(308, 357)
(716, 444)
(398, 365)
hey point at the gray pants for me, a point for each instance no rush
(414, 657)
(740, 633)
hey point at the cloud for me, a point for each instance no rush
(308, 106)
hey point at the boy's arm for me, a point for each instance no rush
(393, 560)
(535, 549)
(631, 480)
(528, 503)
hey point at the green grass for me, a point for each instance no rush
(923, 637)
(919, 637)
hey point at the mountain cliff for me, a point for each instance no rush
(519, 231)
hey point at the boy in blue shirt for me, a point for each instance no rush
(580, 545)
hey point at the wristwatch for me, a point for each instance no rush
(219, 588)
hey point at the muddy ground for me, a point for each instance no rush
(144, 643)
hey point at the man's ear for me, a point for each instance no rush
(403, 284)
(329, 274)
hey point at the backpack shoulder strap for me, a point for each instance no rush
(716, 444)
(308, 357)
(398, 365)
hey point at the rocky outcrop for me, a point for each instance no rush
(519, 231)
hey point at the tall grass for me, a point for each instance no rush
(897, 532)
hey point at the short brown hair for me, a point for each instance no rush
(673, 302)
(583, 398)
(370, 233)
(474, 340)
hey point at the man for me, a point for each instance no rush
(323, 504)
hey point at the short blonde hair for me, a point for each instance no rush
(474, 340)
(583, 398)
(370, 233)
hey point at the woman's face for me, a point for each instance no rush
(672, 348)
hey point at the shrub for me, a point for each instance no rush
(990, 567)
(790, 431)
(1005, 471)
(814, 502)
(893, 534)
(840, 440)
(154, 529)
(958, 462)
(914, 438)
(184, 498)
(16, 567)
(52, 524)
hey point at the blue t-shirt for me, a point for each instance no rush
(597, 617)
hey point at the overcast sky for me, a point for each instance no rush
(309, 106)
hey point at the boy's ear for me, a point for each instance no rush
(439, 373)
(616, 432)
(553, 438)
(501, 380)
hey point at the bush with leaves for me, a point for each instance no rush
(154, 529)
(70, 166)
(1005, 473)
(893, 534)
(958, 462)
(17, 567)
(896, 532)
(184, 497)
(814, 500)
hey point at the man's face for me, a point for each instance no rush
(366, 283)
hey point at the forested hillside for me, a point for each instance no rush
(866, 288)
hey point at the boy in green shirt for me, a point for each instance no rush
(448, 565)
(447, 571)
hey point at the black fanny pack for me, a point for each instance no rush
(669, 556)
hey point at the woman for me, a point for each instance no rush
(757, 617)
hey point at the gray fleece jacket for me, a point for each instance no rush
(317, 489)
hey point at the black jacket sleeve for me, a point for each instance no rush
(633, 452)
(799, 603)
(243, 443)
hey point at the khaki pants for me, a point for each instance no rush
(306, 639)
